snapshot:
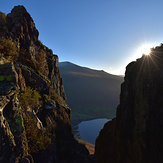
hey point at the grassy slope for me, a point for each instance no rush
(90, 93)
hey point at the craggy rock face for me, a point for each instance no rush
(22, 25)
(34, 117)
(135, 135)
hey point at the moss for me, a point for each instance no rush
(2, 78)
(9, 78)
(19, 122)
(6, 78)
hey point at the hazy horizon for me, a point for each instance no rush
(96, 69)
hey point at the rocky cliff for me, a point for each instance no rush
(135, 135)
(34, 117)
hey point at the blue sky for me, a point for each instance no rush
(100, 34)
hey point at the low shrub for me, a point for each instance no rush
(7, 47)
(30, 98)
(37, 139)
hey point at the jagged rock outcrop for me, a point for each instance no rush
(135, 135)
(34, 117)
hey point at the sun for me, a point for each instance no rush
(142, 49)
(145, 49)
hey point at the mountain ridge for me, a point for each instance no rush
(90, 93)
(68, 63)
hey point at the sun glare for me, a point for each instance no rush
(145, 49)
(142, 49)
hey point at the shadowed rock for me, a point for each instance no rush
(135, 135)
(34, 116)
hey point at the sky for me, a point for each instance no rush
(100, 34)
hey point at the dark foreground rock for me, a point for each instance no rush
(34, 116)
(135, 135)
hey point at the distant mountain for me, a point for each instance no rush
(90, 93)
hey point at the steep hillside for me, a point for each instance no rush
(34, 117)
(90, 93)
(135, 135)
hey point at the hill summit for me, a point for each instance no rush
(90, 93)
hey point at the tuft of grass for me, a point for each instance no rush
(30, 98)
(37, 139)
(25, 67)
(44, 77)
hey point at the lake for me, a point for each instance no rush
(89, 130)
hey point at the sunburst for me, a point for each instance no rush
(145, 49)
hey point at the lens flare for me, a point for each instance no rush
(145, 49)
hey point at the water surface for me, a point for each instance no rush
(89, 130)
